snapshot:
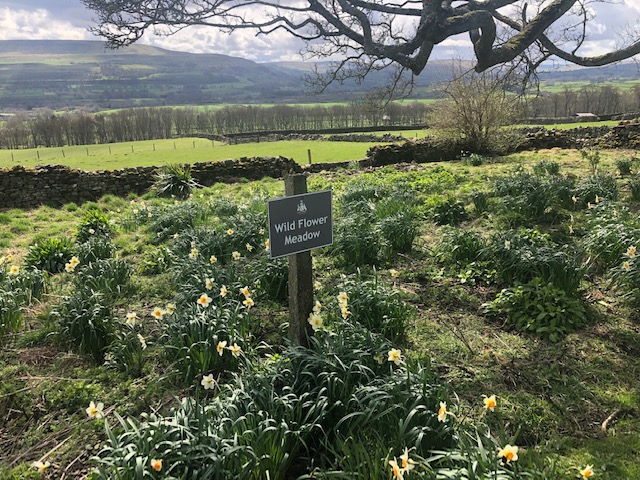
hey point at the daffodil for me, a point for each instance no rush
(343, 298)
(158, 313)
(315, 321)
(597, 199)
(589, 206)
(208, 283)
(627, 266)
(92, 231)
(193, 254)
(221, 346)
(132, 319)
(156, 464)
(507, 245)
(245, 291)
(236, 255)
(396, 470)
(235, 349)
(143, 342)
(248, 246)
(631, 252)
(69, 267)
(394, 273)
(317, 307)
(345, 312)
(41, 466)
(317, 285)
(75, 261)
(574, 199)
(407, 463)
(213, 259)
(248, 302)
(442, 412)
(95, 410)
(223, 291)
(267, 245)
(204, 300)
(490, 402)
(170, 308)
(208, 382)
(509, 453)
(261, 231)
(395, 356)
(14, 270)
(587, 472)
(570, 229)
(230, 231)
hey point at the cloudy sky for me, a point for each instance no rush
(69, 19)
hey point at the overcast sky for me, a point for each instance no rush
(69, 19)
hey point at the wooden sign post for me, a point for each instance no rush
(298, 223)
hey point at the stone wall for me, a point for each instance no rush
(56, 185)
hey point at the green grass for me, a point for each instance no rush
(185, 150)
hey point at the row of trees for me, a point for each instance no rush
(47, 129)
(600, 100)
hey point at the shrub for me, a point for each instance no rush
(546, 167)
(10, 315)
(520, 256)
(625, 165)
(192, 335)
(174, 180)
(94, 222)
(447, 211)
(108, 276)
(458, 246)
(603, 186)
(175, 219)
(357, 241)
(50, 254)
(539, 307)
(97, 247)
(378, 308)
(480, 201)
(634, 187)
(473, 159)
(592, 155)
(86, 323)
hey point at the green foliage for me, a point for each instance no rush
(109, 276)
(634, 187)
(97, 247)
(520, 256)
(458, 246)
(50, 254)
(288, 416)
(546, 167)
(271, 277)
(192, 334)
(524, 196)
(480, 200)
(224, 207)
(397, 218)
(473, 159)
(446, 210)
(174, 180)
(175, 219)
(356, 240)
(603, 186)
(126, 352)
(86, 323)
(94, 222)
(378, 308)
(608, 237)
(626, 275)
(10, 315)
(625, 165)
(539, 307)
(157, 259)
(592, 155)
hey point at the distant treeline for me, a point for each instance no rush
(47, 129)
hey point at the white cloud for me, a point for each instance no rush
(37, 25)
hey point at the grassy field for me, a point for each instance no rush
(185, 150)
(552, 396)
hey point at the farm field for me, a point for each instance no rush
(184, 150)
(463, 310)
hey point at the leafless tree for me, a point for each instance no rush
(372, 34)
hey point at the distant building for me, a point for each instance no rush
(587, 117)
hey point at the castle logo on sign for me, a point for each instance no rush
(300, 223)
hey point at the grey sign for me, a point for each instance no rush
(300, 223)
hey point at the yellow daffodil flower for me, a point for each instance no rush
(587, 472)
(396, 470)
(235, 349)
(509, 453)
(95, 410)
(236, 255)
(395, 356)
(407, 463)
(158, 313)
(221, 346)
(208, 382)
(213, 259)
(41, 466)
(204, 300)
(315, 321)
(248, 302)
(490, 402)
(442, 412)
(142, 341)
(223, 291)
(156, 464)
